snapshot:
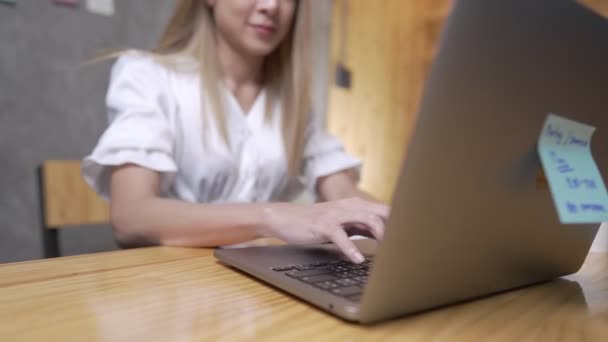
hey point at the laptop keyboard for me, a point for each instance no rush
(339, 277)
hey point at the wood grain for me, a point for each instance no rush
(31, 271)
(198, 299)
(68, 200)
(389, 49)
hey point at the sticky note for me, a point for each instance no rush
(101, 7)
(577, 187)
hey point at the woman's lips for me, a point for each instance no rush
(264, 30)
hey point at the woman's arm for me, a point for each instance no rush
(341, 185)
(140, 217)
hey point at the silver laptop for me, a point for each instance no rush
(469, 217)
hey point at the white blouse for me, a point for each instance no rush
(155, 122)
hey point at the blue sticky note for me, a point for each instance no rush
(577, 187)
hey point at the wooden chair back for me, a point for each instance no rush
(66, 201)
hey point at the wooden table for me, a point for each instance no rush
(173, 294)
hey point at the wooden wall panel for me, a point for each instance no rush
(389, 48)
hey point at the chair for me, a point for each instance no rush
(66, 201)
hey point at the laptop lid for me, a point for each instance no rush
(469, 217)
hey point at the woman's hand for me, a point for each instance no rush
(328, 221)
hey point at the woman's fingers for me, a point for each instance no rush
(362, 205)
(368, 221)
(380, 210)
(365, 221)
(340, 239)
(320, 222)
(356, 229)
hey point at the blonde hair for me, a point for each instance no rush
(287, 70)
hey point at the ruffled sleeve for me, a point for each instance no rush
(324, 155)
(139, 131)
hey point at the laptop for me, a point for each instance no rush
(469, 216)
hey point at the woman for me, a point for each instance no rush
(210, 135)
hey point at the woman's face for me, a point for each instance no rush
(253, 27)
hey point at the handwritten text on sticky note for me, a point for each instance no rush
(576, 184)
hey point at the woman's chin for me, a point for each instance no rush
(260, 49)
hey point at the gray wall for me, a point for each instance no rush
(52, 109)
